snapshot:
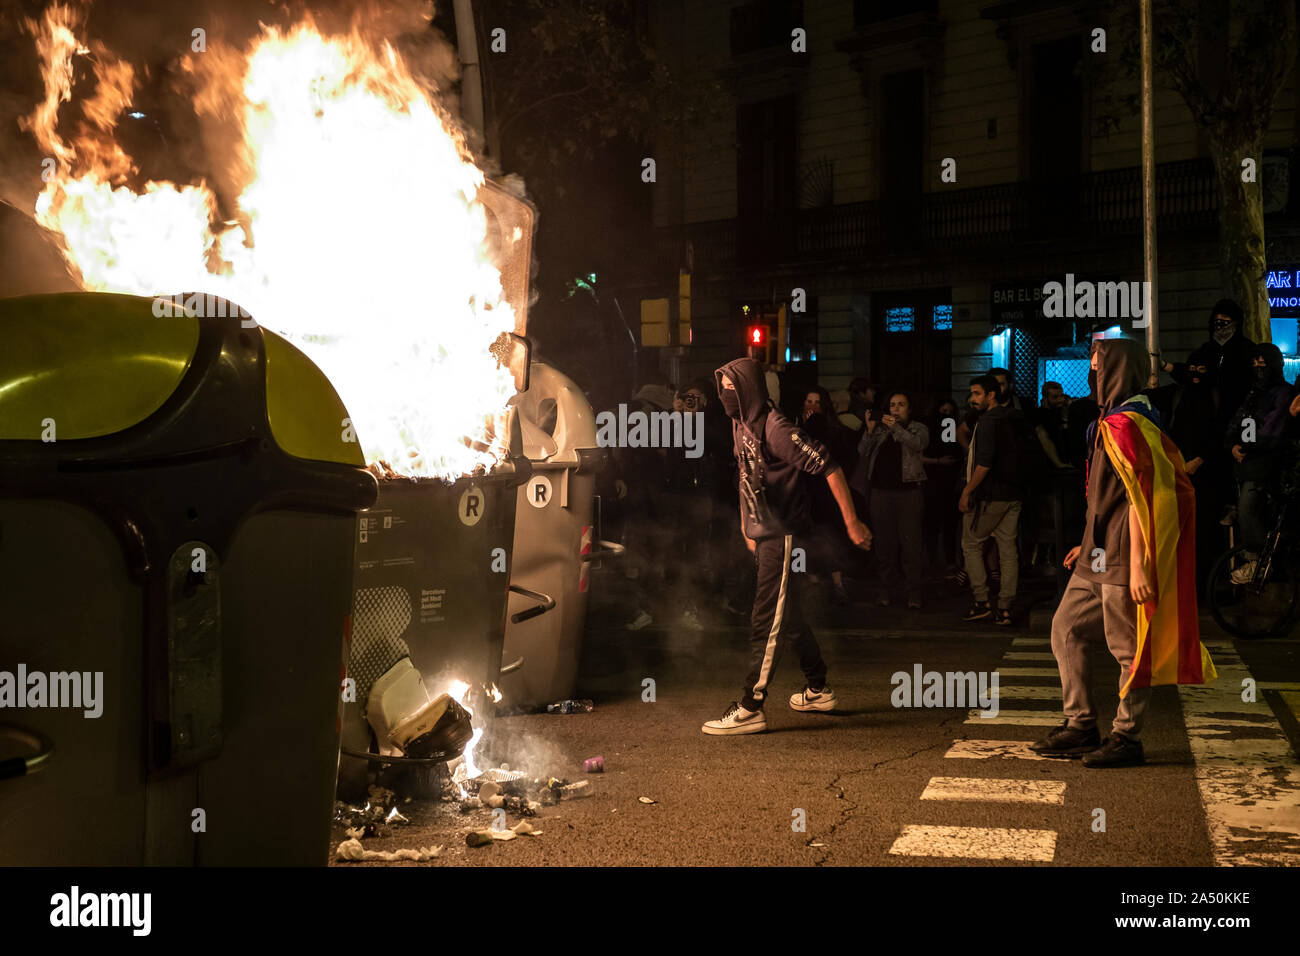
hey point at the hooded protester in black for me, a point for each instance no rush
(1228, 354)
(774, 458)
(1190, 409)
(1266, 407)
(773, 455)
(1192, 414)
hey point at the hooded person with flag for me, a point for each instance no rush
(1134, 582)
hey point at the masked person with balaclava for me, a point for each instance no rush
(1132, 585)
(776, 460)
(1190, 413)
(1255, 439)
(1228, 353)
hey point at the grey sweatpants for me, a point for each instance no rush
(1091, 611)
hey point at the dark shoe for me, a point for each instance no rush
(1067, 741)
(1117, 751)
(1002, 617)
(914, 604)
(839, 596)
(979, 611)
(884, 601)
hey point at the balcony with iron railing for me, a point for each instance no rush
(1095, 206)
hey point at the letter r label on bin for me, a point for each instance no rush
(539, 491)
(470, 509)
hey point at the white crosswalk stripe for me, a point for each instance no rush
(995, 790)
(987, 749)
(1028, 656)
(1027, 692)
(1031, 642)
(1018, 718)
(1029, 672)
(976, 843)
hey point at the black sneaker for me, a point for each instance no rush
(1002, 617)
(1117, 751)
(979, 611)
(1067, 741)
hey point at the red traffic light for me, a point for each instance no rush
(758, 335)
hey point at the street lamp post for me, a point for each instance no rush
(1149, 191)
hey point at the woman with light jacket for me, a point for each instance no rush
(891, 475)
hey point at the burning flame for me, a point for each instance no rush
(358, 235)
(458, 690)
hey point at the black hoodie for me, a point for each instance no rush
(1230, 363)
(772, 454)
(1267, 405)
(1123, 367)
(1191, 413)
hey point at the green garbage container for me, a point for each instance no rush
(177, 503)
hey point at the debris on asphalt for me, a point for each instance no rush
(571, 707)
(647, 800)
(396, 818)
(594, 765)
(524, 828)
(816, 844)
(352, 851)
(478, 837)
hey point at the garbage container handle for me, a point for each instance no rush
(22, 766)
(548, 602)
(607, 549)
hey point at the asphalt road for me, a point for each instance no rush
(882, 785)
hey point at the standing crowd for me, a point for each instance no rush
(973, 494)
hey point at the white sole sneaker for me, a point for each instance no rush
(732, 724)
(805, 701)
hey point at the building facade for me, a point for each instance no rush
(890, 185)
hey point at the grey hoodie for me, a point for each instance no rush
(772, 453)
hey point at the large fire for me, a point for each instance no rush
(358, 235)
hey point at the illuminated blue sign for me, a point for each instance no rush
(901, 318)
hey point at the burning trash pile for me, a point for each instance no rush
(426, 747)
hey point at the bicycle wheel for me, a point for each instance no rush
(1253, 608)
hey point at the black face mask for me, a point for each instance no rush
(1224, 329)
(730, 402)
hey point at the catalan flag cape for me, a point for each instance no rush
(1169, 648)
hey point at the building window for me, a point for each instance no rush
(763, 24)
(766, 178)
(941, 318)
(1072, 373)
(901, 318)
(866, 12)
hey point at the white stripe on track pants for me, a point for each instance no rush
(778, 620)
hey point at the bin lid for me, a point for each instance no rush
(92, 363)
(307, 417)
(96, 364)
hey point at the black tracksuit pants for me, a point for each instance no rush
(778, 619)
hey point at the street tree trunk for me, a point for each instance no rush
(1242, 264)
